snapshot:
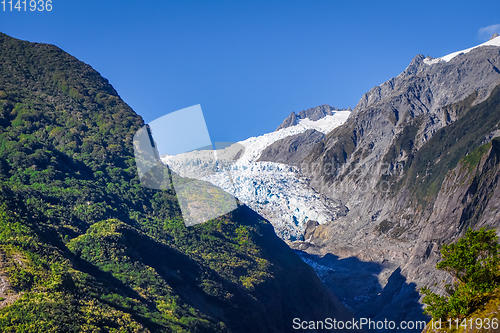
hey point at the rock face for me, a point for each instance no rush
(292, 149)
(469, 197)
(396, 165)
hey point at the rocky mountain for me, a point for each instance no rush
(85, 248)
(415, 166)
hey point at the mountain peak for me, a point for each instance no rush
(313, 114)
(495, 35)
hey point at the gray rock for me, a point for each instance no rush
(293, 149)
(310, 227)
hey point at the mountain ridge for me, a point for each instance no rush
(313, 114)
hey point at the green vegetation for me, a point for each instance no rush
(473, 262)
(86, 248)
(472, 160)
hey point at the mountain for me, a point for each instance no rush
(278, 192)
(313, 114)
(415, 165)
(85, 248)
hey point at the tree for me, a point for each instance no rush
(473, 262)
(474, 258)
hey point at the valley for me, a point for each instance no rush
(340, 212)
(369, 201)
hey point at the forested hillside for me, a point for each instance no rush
(85, 248)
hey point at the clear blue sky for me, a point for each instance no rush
(250, 63)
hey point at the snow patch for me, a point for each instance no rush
(326, 124)
(446, 58)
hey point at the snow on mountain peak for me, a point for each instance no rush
(492, 42)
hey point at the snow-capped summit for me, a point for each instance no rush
(494, 41)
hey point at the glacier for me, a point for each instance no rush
(278, 192)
